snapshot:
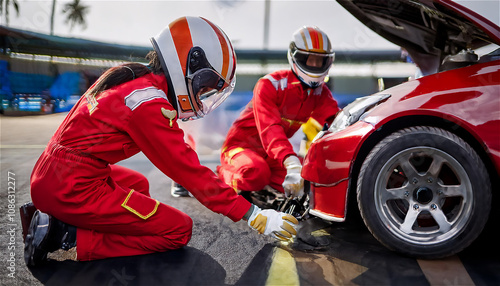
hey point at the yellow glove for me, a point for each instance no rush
(273, 223)
(311, 128)
(293, 183)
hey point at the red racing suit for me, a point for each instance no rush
(76, 181)
(257, 143)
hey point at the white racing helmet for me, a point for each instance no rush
(199, 63)
(306, 42)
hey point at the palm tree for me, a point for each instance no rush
(52, 17)
(76, 14)
(5, 9)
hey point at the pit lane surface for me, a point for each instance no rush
(222, 252)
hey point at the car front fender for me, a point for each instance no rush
(328, 165)
(329, 159)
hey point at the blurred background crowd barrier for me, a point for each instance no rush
(44, 74)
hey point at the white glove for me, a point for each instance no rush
(273, 223)
(293, 184)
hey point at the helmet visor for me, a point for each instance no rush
(207, 90)
(313, 62)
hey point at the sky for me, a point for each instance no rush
(135, 22)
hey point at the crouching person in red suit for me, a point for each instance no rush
(257, 153)
(84, 200)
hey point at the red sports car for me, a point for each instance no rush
(421, 158)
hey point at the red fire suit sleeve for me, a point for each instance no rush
(266, 102)
(164, 146)
(326, 109)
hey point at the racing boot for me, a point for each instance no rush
(26, 212)
(177, 190)
(47, 234)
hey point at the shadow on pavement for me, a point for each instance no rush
(257, 271)
(347, 253)
(186, 266)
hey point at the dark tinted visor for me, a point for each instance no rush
(204, 80)
(313, 62)
(207, 90)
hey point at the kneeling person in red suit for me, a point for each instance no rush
(106, 210)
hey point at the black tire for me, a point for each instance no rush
(424, 192)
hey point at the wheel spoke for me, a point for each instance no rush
(454, 191)
(441, 220)
(410, 218)
(408, 168)
(395, 194)
(435, 167)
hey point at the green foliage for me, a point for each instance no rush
(75, 14)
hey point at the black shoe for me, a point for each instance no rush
(46, 234)
(176, 190)
(26, 212)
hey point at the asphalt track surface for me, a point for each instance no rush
(221, 252)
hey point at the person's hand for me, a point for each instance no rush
(273, 223)
(293, 184)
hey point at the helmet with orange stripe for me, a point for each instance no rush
(311, 55)
(199, 63)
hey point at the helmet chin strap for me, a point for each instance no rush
(305, 85)
(171, 93)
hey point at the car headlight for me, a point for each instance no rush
(353, 112)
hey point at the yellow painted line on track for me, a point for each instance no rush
(22, 146)
(283, 270)
(447, 271)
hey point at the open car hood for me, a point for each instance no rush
(429, 30)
